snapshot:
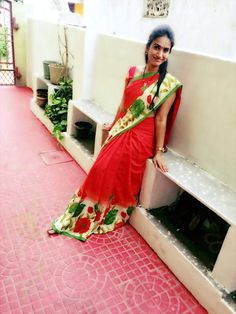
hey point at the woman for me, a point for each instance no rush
(140, 130)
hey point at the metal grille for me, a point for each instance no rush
(7, 61)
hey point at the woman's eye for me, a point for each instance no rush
(166, 50)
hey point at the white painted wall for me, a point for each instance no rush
(202, 26)
(205, 128)
(43, 44)
(108, 59)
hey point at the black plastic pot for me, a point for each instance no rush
(82, 129)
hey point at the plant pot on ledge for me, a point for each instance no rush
(57, 72)
(41, 101)
(46, 70)
(42, 97)
(82, 129)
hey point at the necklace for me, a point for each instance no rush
(144, 70)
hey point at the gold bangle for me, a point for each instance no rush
(160, 149)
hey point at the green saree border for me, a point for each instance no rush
(66, 233)
(148, 114)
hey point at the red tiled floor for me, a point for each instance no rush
(113, 273)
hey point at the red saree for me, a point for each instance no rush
(110, 192)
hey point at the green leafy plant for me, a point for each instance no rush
(3, 49)
(57, 108)
(3, 43)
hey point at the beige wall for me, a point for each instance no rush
(205, 130)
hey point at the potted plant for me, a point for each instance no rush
(57, 72)
(60, 70)
(57, 108)
(46, 70)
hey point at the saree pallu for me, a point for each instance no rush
(110, 192)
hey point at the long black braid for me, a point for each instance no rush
(160, 31)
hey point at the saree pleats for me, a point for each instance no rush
(112, 185)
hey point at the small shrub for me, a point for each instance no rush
(57, 108)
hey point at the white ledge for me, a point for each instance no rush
(207, 189)
(48, 82)
(93, 111)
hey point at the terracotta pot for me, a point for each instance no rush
(41, 101)
(57, 72)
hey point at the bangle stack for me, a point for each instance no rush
(161, 149)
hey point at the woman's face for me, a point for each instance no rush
(158, 52)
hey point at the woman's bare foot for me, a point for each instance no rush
(51, 232)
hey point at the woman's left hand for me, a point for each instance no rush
(106, 126)
(159, 162)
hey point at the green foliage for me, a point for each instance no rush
(3, 42)
(3, 49)
(64, 90)
(57, 108)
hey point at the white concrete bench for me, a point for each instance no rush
(85, 110)
(160, 189)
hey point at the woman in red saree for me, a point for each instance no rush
(140, 131)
